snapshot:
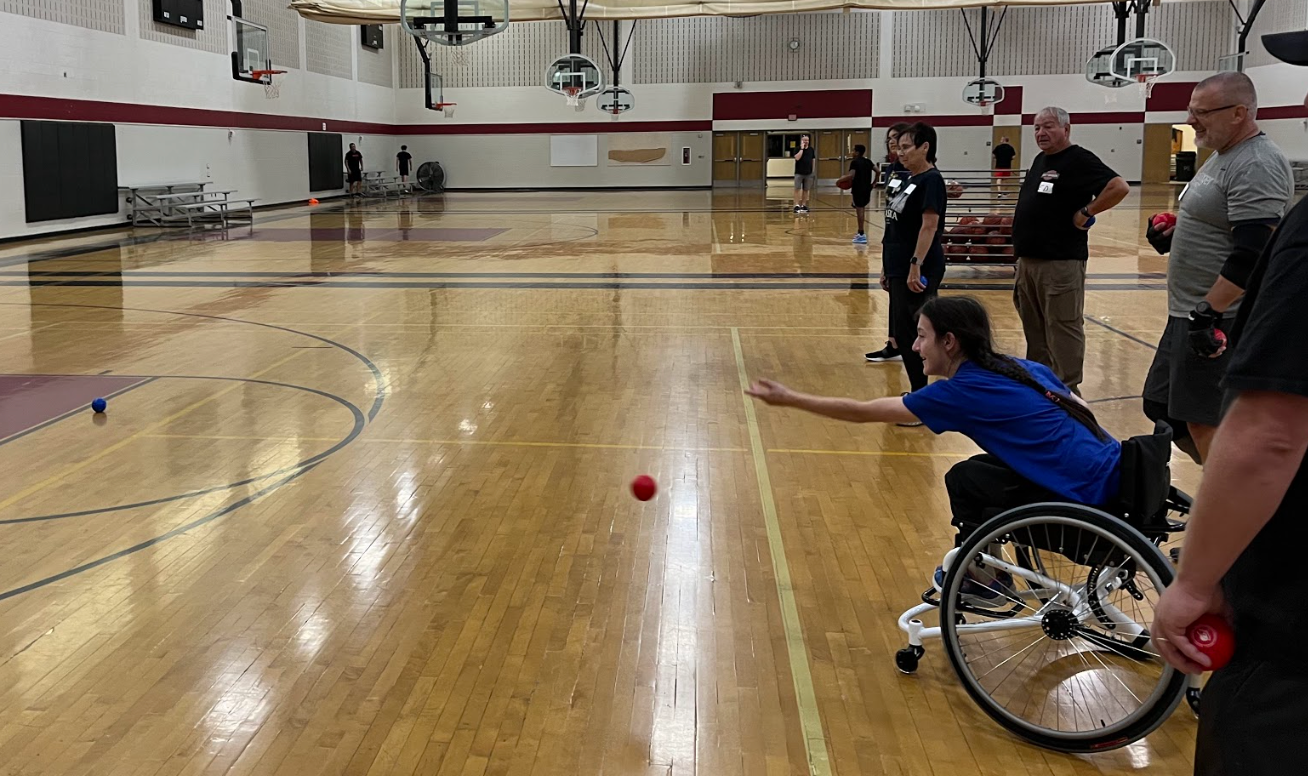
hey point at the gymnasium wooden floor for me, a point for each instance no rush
(359, 504)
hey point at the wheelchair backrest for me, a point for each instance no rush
(1146, 476)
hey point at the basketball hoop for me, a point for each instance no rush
(573, 95)
(459, 56)
(1146, 83)
(271, 88)
(445, 107)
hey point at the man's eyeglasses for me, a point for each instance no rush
(1201, 112)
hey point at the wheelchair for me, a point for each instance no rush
(1044, 611)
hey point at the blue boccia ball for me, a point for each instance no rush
(98, 405)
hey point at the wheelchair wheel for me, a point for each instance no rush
(1057, 651)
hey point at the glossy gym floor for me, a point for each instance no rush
(359, 503)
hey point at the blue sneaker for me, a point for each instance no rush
(991, 595)
(860, 239)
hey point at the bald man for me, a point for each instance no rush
(1227, 214)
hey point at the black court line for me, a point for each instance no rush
(75, 410)
(382, 390)
(1116, 330)
(359, 425)
(322, 283)
(985, 275)
(178, 531)
(1112, 398)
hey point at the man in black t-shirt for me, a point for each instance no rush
(1250, 517)
(862, 174)
(403, 160)
(354, 171)
(1004, 155)
(1066, 187)
(805, 177)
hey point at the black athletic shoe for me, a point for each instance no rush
(888, 353)
(797, 209)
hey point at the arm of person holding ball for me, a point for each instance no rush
(925, 237)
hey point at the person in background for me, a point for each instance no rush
(893, 176)
(1003, 154)
(1066, 187)
(805, 176)
(354, 171)
(403, 162)
(862, 174)
(1249, 518)
(1226, 216)
(913, 260)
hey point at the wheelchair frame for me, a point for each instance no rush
(1072, 597)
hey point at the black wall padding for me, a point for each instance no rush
(326, 162)
(70, 170)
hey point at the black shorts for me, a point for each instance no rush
(353, 177)
(404, 171)
(861, 197)
(1190, 385)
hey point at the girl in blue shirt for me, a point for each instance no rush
(1042, 442)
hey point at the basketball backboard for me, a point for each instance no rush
(250, 52)
(1142, 58)
(454, 22)
(983, 92)
(1231, 63)
(574, 76)
(616, 100)
(1099, 70)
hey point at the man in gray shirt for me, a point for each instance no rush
(1227, 214)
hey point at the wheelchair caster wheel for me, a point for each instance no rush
(1192, 696)
(907, 658)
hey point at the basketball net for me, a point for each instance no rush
(573, 95)
(1146, 83)
(271, 88)
(459, 57)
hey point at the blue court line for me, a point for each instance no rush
(359, 424)
(1116, 330)
(127, 283)
(75, 410)
(382, 390)
(152, 542)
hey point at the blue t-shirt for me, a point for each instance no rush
(1022, 428)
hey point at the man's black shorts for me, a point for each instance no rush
(354, 177)
(1189, 385)
(861, 197)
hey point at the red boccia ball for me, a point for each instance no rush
(1213, 636)
(644, 487)
(1162, 221)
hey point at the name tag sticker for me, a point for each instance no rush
(909, 189)
(1046, 187)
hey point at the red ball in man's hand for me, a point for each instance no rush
(1213, 636)
(1163, 221)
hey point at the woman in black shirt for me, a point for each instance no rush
(913, 261)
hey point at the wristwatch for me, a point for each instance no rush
(1205, 311)
(914, 261)
(1085, 211)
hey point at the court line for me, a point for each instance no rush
(470, 442)
(73, 411)
(337, 445)
(1005, 276)
(385, 284)
(181, 529)
(1116, 330)
(886, 453)
(57, 477)
(382, 389)
(815, 742)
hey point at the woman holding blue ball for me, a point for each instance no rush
(913, 258)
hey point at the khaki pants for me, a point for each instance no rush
(1050, 300)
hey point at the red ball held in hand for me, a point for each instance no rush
(644, 487)
(1213, 636)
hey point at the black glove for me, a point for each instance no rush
(1162, 243)
(1206, 336)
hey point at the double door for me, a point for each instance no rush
(740, 158)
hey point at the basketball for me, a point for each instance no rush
(845, 184)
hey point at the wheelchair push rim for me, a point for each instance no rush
(1062, 656)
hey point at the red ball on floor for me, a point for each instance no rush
(644, 487)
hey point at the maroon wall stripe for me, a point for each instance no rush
(816, 104)
(1096, 118)
(967, 120)
(1283, 112)
(1169, 95)
(581, 128)
(1012, 104)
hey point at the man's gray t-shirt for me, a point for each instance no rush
(1251, 182)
